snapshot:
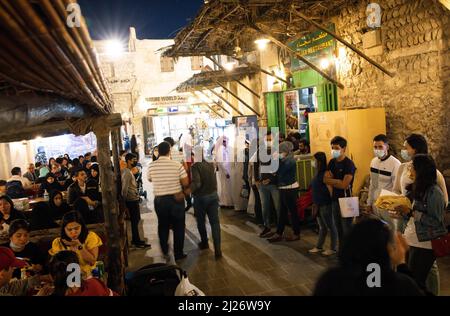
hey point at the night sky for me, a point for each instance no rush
(153, 19)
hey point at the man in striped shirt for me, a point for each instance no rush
(170, 184)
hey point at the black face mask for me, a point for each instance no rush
(134, 164)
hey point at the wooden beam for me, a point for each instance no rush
(225, 100)
(237, 98)
(296, 54)
(50, 129)
(239, 82)
(116, 266)
(340, 39)
(260, 69)
(216, 103)
(208, 106)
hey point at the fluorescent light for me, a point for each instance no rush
(229, 66)
(114, 48)
(262, 43)
(324, 63)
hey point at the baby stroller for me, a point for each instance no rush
(140, 182)
(160, 279)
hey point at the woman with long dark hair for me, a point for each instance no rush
(60, 273)
(425, 219)
(58, 207)
(370, 246)
(8, 211)
(322, 206)
(76, 237)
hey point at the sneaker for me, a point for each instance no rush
(316, 250)
(275, 238)
(329, 252)
(264, 232)
(203, 245)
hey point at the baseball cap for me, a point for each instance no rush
(8, 259)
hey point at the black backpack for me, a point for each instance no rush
(15, 190)
(154, 280)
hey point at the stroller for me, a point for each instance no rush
(140, 182)
(160, 279)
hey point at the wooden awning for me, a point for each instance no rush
(41, 55)
(210, 79)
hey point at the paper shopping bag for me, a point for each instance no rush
(349, 207)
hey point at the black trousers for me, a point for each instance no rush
(288, 199)
(170, 212)
(420, 262)
(258, 209)
(135, 217)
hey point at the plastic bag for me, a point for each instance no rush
(185, 288)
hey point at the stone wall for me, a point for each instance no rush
(415, 38)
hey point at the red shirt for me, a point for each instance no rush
(93, 287)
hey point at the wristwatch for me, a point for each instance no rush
(80, 247)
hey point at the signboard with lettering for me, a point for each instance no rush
(313, 47)
(168, 100)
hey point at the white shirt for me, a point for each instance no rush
(382, 176)
(25, 182)
(165, 174)
(176, 155)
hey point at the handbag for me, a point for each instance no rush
(441, 246)
(349, 206)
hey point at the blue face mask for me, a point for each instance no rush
(335, 153)
(405, 155)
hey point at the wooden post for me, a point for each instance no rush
(340, 39)
(225, 100)
(238, 81)
(296, 54)
(237, 98)
(208, 106)
(116, 266)
(115, 137)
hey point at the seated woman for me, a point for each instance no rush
(41, 217)
(76, 237)
(50, 184)
(9, 212)
(58, 207)
(370, 246)
(20, 244)
(92, 184)
(59, 273)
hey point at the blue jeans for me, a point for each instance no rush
(208, 205)
(169, 211)
(343, 225)
(265, 192)
(326, 223)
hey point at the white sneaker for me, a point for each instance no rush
(315, 250)
(329, 252)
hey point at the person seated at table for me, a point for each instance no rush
(50, 184)
(20, 244)
(37, 169)
(9, 212)
(58, 207)
(17, 185)
(30, 174)
(76, 237)
(63, 169)
(60, 273)
(41, 217)
(2, 187)
(43, 171)
(77, 190)
(92, 184)
(75, 165)
(4, 228)
(56, 171)
(8, 287)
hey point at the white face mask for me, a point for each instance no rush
(405, 155)
(335, 153)
(379, 153)
(283, 155)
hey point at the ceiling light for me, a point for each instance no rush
(262, 43)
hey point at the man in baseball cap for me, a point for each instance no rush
(9, 262)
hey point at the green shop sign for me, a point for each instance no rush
(313, 47)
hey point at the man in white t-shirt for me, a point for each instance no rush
(383, 170)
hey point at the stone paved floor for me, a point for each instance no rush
(250, 265)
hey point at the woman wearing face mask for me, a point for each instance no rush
(58, 207)
(288, 188)
(50, 184)
(425, 219)
(76, 237)
(322, 207)
(155, 154)
(19, 235)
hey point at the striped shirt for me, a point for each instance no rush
(165, 174)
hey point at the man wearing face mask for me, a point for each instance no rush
(340, 175)
(383, 170)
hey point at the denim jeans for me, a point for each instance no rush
(343, 225)
(326, 223)
(288, 201)
(169, 212)
(265, 192)
(208, 205)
